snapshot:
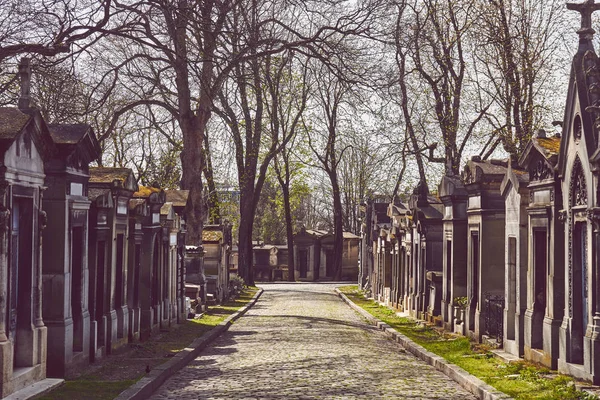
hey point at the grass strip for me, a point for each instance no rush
(109, 377)
(520, 380)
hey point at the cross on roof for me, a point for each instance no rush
(586, 9)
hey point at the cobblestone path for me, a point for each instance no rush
(300, 341)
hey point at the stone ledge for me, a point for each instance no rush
(466, 380)
(144, 388)
(37, 389)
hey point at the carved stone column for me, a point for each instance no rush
(594, 216)
(4, 228)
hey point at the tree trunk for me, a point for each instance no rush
(192, 166)
(245, 253)
(338, 231)
(214, 210)
(289, 230)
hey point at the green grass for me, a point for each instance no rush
(520, 380)
(116, 373)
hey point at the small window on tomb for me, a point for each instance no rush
(122, 206)
(76, 189)
(577, 128)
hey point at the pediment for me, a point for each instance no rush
(581, 109)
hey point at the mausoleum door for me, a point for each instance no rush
(540, 243)
(13, 286)
(303, 262)
(579, 292)
(77, 300)
(449, 274)
(474, 279)
(21, 269)
(155, 298)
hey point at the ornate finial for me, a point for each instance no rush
(586, 9)
(25, 76)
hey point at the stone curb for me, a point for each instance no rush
(471, 383)
(144, 388)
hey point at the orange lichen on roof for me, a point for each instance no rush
(145, 191)
(212, 236)
(550, 144)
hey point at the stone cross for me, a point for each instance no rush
(586, 9)
(25, 76)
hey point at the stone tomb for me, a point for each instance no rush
(578, 169)
(307, 253)
(454, 286)
(398, 213)
(65, 257)
(25, 144)
(349, 257)
(174, 245)
(426, 210)
(516, 197)
(485, 247)
(110, 190)
(151, 272)
(216, 240)
(545, 288)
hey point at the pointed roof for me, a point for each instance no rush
(514, 178)
(584, 88)
(12, 122)
(75, 142)
(547, 147)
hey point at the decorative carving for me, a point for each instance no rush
(578, 190)
(43, 219)
(570, 274)
(469, 177)
(552, 195)
(540, 171)
(4, 219)
(584, 261)
(562, 216)
(577, 128)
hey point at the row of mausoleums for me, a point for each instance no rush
(89, 260)
(313, 258)
(507, 250)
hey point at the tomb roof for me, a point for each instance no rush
(146, 191)
(107, 174)
(12, 122)
(166, 209)
(68, 133)
(177, 197)
(551, 146)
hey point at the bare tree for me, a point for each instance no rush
(178, 55)
(288, 90)
(519, 49)
(325, 141)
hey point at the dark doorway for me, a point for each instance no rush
(540, 243)
(579, 293)
(21, 278)
(77, 306)
(303, 262)
(474, 279)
